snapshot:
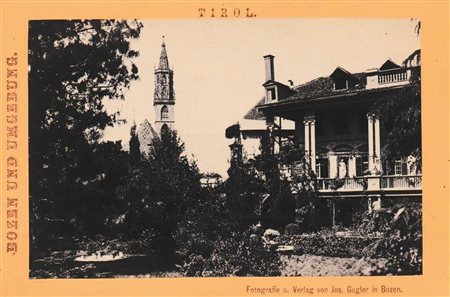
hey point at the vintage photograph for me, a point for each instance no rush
(187, 148)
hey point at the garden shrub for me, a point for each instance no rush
(237, 255)
(376, 221)
(292, 229)
(195, 265)
(313, 215)
(143, 244)
(402, 245)
(192, 243)
(326, 243)
(281, 210)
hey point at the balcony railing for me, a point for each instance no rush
(392, 77)
(389, 182)
(348, 184)
(401, 182)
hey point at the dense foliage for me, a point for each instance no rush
(327, 243)
(72, 175)
(401, 121)
(158, 193)
(244, 190)
(402, 245)
(393, 233)
(239, 254)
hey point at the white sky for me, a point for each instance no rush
(219, 69)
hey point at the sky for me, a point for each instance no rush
(219, 69)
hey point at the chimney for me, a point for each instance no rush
(291, 83)
(270, 74)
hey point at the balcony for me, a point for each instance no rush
(389, 184)
(348, 184)
(401, 182)
(392, 77)
(387, 78)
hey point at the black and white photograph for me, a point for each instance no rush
(167, 148)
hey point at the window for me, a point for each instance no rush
(359, 166)
(272, 94)
(322, 168)
(164, 113)
(164, 127)
(366, 168)
(340, 84)
(398, 167)
(362, 166)
(318, 170)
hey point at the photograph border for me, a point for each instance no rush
(14, 232)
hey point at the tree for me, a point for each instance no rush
(244, 190)
(268, 163)
(135, 152)
(158, 193)
(401, 115)
(73, 67)
(177, 179)
(401, 121)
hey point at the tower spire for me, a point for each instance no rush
(163, 60)
(164, 97)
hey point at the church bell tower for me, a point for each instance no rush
(164, 97)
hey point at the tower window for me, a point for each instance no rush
(164, 127)
(164, 113)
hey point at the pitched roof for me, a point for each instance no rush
(324, 86)
(389, 64)
(253, 113)
(146, 134)
(340, 71)
(163, 59)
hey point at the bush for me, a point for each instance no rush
(326, 243)
(192, 244)
(143, 244)
(403, 243)
(313, 215)
(238, 255)
(292, 229)
(376, 221)
(204, 222)
(281, 210)
(195, 265)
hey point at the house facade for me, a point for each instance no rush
(340, 136)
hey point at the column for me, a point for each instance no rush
(333, 166)
(276, 127)
(307, 148)
(352, 166)
(370, 141)
(270, 122)
(310, 141)
(377, 148)
(313, 143)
